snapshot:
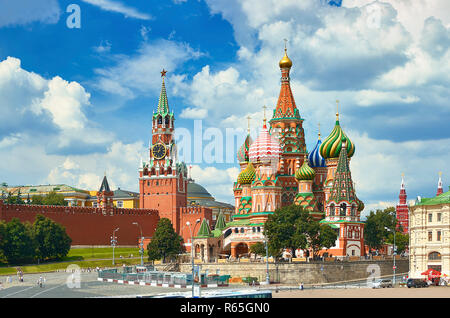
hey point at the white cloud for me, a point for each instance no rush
(24, 12)
(116, 6)
(136, 75)
(194, 113)
(219, 182)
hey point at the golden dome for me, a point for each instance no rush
(285, 62)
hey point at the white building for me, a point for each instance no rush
(430, 235)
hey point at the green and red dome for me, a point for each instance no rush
(331, 146)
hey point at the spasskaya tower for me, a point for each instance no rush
(162, 180)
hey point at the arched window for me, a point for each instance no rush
(332, 209)
(434, 256)
(242, 230)
(159, 120)
(343, 209)
(353, 211)
(166, 121)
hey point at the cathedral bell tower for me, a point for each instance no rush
(286, 126)
(162, 180)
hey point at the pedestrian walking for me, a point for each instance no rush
(301, 286)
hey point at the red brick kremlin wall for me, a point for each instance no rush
(89, 226)
(191, 214)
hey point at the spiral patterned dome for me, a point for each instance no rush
(247, 175)
(314, 158)
(332, 145)
(242, 154)
(265, 149)
(305, 172)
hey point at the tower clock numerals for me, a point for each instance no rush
(159, 151)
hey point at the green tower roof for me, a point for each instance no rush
(204, 230)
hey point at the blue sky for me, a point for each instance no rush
(78, 102)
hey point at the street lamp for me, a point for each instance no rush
(113, 242)
(141, 244)
(394, 252)
(192, 250)
(267, 261)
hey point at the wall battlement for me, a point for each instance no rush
(87, 225)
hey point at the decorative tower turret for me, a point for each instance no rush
(330, 150)
(163, 180)
(402, 209)
(440, 190)
(318, 164)
(105, 197)
(287, 126)
(343, 208)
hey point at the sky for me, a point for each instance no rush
(79, 81)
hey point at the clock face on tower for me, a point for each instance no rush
(159, 151)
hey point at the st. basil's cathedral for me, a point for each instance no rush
(276, 171)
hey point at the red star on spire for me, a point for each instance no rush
(163, 73)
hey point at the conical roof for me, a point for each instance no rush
(204, 230)
(342, 189)
(163, 103)
(105, 185)
(220, 223)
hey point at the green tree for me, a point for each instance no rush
(286, 228)
(258, 248)
(165, 243)
(53, 198)
(17, 244)
(294, 228)
(378, 226)
(401, 241)
(37, 200)
(320, 236)
(50, 238)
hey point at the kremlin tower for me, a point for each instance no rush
(402, 209)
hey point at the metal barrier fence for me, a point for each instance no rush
(162, 278)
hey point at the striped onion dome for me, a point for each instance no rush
(305, 172)
(247, 175)
(331, 146)
(242, 154)
(314, 158)
(265, 149)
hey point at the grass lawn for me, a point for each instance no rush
(83, 257)
(101, 253)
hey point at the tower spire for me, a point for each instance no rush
(163, 104)
(248, 124)
(337, 109)
(440, 190)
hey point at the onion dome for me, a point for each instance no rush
(247, 175)
(314, 158)
(242, 154)
(305, 172)
(285, 62)
(265, 149)
(331, 146)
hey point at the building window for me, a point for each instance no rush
(434, 256)
(430, 236)
(95, 205)
(438, 235)
(120, 204)
(430, 217)
(439, 215)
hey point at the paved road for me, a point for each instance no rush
(55, 286)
